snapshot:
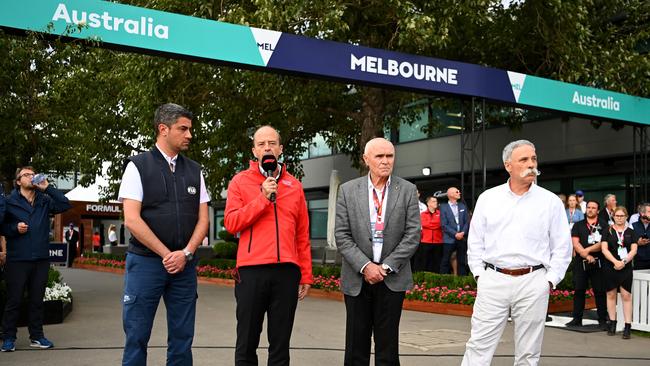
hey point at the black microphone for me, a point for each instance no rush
(269, 165)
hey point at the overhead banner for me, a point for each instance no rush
(183, 36)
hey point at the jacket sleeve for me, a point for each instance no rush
(465, 227)
(240, 215)
(302, 242)
(343, 234)
(58, 201)
(446, 219)
(407, 246)
(10, 229)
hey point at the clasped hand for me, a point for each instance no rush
(373, 273)
(174, 262)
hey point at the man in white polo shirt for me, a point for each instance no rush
(519, 247)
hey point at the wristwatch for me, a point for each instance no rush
(188, 255)
(386, 268)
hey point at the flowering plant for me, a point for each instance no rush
(423, 292)
(58, 291)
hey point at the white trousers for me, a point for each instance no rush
(526, 299)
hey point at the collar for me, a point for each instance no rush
(532, 188)
(371, 186)
(170, 160)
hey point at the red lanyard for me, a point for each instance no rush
(620, 237)
(378, 203)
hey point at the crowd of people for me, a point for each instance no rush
(517, 244)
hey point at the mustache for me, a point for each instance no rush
(530, 171)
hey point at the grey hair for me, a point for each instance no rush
(607, 197)
(507, 151)
(168, 114)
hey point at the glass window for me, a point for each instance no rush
(218, 224)
(317, 219)
(551, 185)
(596, 188)
(317, 147)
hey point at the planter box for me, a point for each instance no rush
(415, 305)
(567, 306)
(54, 312)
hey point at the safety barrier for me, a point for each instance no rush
(640, 305)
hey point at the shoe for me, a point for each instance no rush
(603, 325)
(574, 323)
(41, 343)
(627, 330)
(612, 328)
(9, 345)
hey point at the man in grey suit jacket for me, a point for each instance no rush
(377, 231)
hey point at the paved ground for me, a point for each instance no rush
(92, 334)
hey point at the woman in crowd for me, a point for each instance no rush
(573, 212)
(429, 252)
(112, 235)
(619, 247)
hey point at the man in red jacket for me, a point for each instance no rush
(269, 212)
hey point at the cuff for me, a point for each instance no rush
(364, 267)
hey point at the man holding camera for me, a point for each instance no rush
(642, 228)
(586, 236)
(26, 227)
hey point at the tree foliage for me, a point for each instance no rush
(72, 106)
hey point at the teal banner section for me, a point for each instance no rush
(135, 27)
(583, 100)
(177, 35)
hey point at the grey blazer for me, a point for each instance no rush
(353, 233)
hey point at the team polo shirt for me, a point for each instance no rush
(582, 230)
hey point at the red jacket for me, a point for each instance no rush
(251, 214)
(431, 228)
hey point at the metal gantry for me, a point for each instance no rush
(640, 164)
(471, 154)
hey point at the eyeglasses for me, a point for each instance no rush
(26, 175)
(620, 216)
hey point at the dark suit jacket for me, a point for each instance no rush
(448, 222)
(353, 233)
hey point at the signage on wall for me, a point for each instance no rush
(103, 208)
(190, 37)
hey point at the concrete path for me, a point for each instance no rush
(92, 334)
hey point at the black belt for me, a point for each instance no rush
(515, 271)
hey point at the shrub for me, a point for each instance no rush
(225, 249)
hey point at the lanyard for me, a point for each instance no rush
(378, 204)
(620, 237)
(592, 228)
(571, 215)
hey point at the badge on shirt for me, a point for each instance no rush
(622, 253)
(191, 190)
(594, 238)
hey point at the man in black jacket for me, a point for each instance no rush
(26, 227)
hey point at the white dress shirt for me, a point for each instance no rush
(511, 231)
(376, 251)
(131, 186)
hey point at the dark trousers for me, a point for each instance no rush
(581, 276)
(427, 258)
(270, 289)
(145, 282)
(376, 310)
(18, 277)
(460, 246)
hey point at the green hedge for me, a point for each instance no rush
(117, 257)
(220, 263)
(227, 250)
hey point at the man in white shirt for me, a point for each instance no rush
(581, 201)
(166, 210)
(519, 247)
